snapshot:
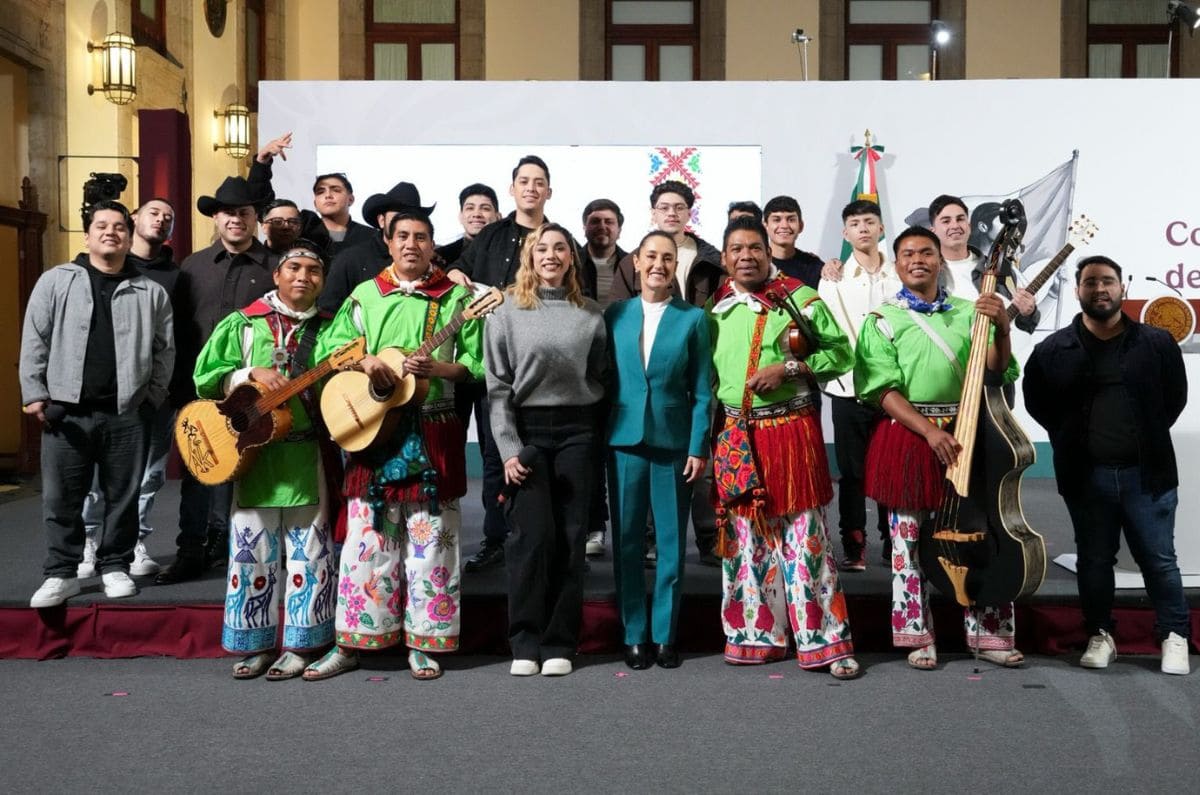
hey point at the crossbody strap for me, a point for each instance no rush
(941, 344)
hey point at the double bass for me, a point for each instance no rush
(978, 547)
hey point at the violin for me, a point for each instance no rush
(800, 337)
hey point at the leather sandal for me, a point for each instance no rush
(333, 663)
(288, 666)
(924, 658)
(845, 669)
(422, 666)
(1005, 658)
(253, 666)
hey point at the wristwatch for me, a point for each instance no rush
(791, 369)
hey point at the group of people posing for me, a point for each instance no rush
(665, 378)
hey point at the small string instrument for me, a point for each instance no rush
(219, 440)
(800, 337)
(357, 414)
(978, 548)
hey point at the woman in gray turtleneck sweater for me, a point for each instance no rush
(546, 359)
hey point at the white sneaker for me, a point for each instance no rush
(117, 584)
(524, 668)
(142, 564)
(556, 666)
(55, 591)
(87, 567)
(595, 544)
(1100, 652)
(1175, 655)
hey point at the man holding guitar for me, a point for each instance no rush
(283, 492)
(910, 360)
(399, 569)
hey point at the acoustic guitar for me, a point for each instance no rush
(358, 415)
(219, 440)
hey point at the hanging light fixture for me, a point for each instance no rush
(118, 68)
(236, 121)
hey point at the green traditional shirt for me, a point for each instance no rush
(390, 318)
(732, 322)
(285, 473)
(895, 353)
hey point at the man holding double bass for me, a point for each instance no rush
(911, 358)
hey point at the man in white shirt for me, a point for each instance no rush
(861, 284)
(950, 221)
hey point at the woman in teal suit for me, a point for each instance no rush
(658, 434)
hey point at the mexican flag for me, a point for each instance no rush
(866, 187)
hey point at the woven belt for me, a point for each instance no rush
(301, 436)
(441, 406)
(937, 409)
(774, 410)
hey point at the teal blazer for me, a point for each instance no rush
(665, 404)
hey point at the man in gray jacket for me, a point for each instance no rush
(97, 350)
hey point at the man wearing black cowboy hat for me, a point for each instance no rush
(228, 275)
(357, 264)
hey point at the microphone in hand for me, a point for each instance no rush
(527, 455)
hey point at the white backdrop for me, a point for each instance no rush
(1136, 175)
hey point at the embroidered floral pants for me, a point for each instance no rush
(400, 584)
(785, 578)
(279, 553)
(912, 623)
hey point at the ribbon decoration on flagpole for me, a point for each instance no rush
(866, 187)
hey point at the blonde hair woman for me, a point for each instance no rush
(546, 355)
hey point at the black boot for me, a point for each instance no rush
(491, 553)
(188, 565)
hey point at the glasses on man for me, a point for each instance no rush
(279, 223)
(666, 208)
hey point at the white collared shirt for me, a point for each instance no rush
(851, 300)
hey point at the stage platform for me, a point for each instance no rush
(185, 620)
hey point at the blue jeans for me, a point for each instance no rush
(1115, 500)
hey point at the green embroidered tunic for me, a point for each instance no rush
(733, 331)
(895, 353)
(285, 473)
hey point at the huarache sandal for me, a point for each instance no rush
(845, 669)
(333, 663)
(288, 666)
(924, 658)
(253, 666)
(1005, 658)
(422, 666)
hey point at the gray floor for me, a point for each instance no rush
(187, 726)
(21, 565)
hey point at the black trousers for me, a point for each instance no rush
(852, 425)
(549, 518)
(203, 513)
(471, 397)
(113, 447)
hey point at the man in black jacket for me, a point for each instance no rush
(214, 281)
(1107, 389)
(492, 259)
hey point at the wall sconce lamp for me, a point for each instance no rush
(118, 68)
(940, 36)
(236, 121)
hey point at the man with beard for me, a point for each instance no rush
(153, 223)
(771, 476)
(1107, 389)
(213, 282)
(602, 222)
(910, 361)
(281, 220)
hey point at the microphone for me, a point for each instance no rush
(1164, 284)
(53, 412)
(526, 456)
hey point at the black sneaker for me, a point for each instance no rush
(216, 551)
(186, 567)
(490, 554)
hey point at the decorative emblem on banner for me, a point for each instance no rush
(683, 166)
(865, 187)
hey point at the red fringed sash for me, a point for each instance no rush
(902, 471)
(445, 441)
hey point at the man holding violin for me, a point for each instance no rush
(773, 340)
(910, 361)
